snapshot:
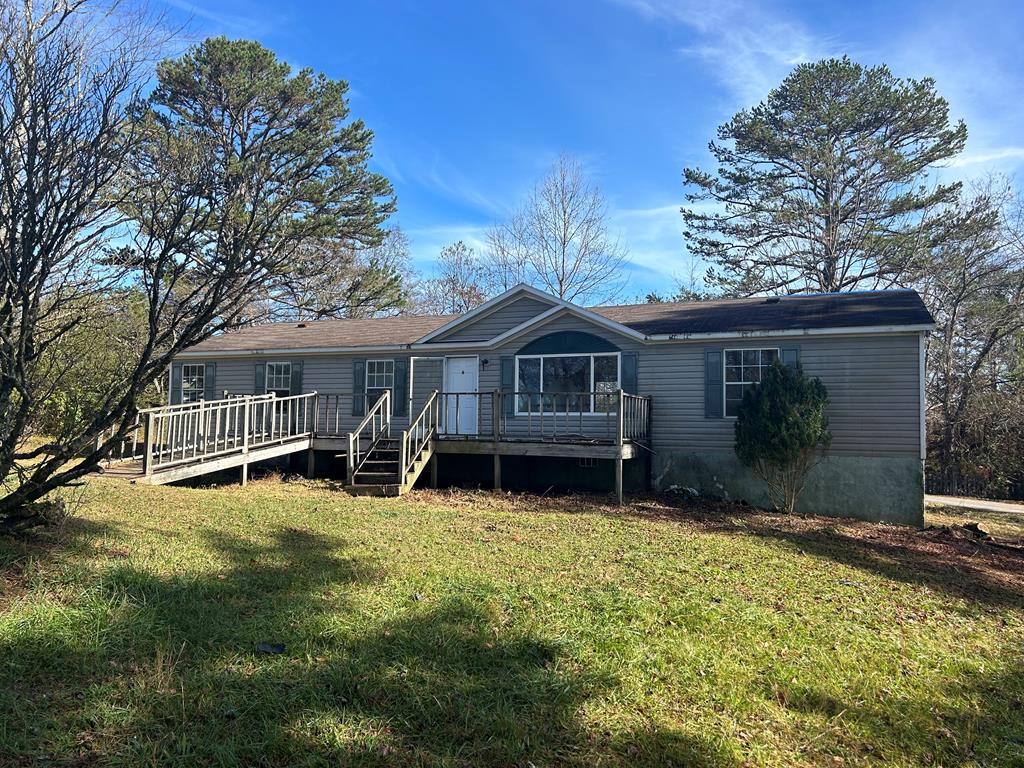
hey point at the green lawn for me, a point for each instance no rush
(475, 630)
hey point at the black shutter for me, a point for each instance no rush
(629, 364)
(175, 389)
(295, 386)
(714, 394)
(358, 387)
(508, 384)
(259, 386)
(790, 356)
(400, 406)
(210, 382)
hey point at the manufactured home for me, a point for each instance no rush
(528, 389)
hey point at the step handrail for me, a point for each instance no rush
(380, 414)
(417, 437)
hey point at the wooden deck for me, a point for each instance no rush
(179, 442)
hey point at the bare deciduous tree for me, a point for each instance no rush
(458, 284)
(559, 240)
(68, 75)
(974, 286)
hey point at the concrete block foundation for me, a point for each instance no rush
(877, 489)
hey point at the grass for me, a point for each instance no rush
(478, 629)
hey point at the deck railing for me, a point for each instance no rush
(376, 425)
(176, 435)
(601, 416)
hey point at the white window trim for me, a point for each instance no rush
(591, 412)
(366, 374)
(266, 376)
(366, 383)
(725, 355)
(202, 376)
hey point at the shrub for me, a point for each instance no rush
(782, 431)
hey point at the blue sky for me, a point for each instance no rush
(472, 101)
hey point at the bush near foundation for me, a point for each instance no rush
(782, 431)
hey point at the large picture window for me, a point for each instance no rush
(743, 370)
(279, 379)
(380, 378)
(193, 382)
(567, 383)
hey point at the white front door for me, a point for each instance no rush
(461, 375)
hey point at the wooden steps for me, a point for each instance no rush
(379, 473)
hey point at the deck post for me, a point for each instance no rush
(246, 418)
(403, 453)
(618, 442)
(433, 470)
(618, 478)
(310, 463)
(350, 465)
(497, 471)
(147, 453)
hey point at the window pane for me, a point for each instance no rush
(567, 374)
(750, 357)
(606, 373)
(752, 373)
(733, 357)
(769, 356)
(380, 374)
(733, 373)
(279, 379)
(193, 378)
(606, 383)
(529, 381)
(733, 397)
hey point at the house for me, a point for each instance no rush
(530, 387)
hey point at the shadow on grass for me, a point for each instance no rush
(959, 568)
(965, 570)
(976, 723)
(155, 669)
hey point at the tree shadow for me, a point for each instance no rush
(974, 721)
(969, 570)
(173, 674)
(965, 570)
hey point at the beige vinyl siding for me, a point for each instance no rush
(504, 319)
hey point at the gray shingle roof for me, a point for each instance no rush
(811, 311)
(814, 311)
(326, 333)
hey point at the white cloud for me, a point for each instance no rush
(655, 239)
(245, 23)
(989, 157)
(745, 46)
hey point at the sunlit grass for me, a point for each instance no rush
(472, 629)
